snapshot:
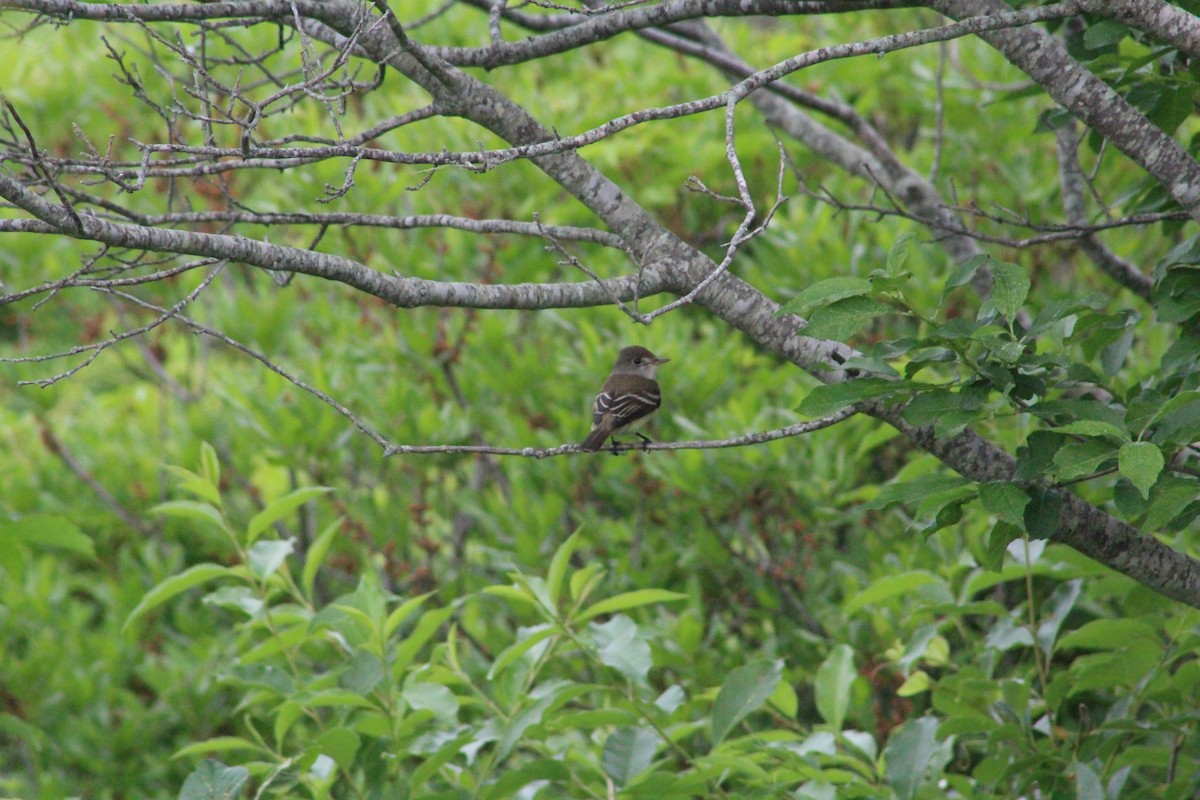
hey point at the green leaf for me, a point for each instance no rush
(950, 513)
(1106, 634)
(962, 275)
(908, 754)
(931, 406)
(1006, 500)
(621, 602)
(1141, 462)
(528, 638)
(176, 584)
(210, 465)
(1171, 496)
(1093, 427)
(1009, 289)
(887, 587)
(212, 780)
(1178, 423)
(828, 398)
(261, 676)
(832, 686)
(426, 627)
(1112, 355)
(340, 744)
(843, 319)
(898, 252)
(1077, 459)
(1036, 457)
(583, 581)
(908, 492)
(190, 509)
(334, 698)
(744, 691)
(824, 292)
(1043, 514)
(266, 556)
(915, 684)
(1087, 781)
(49, 531)
(622, 645)
(1103, 33)
(542, 698)
(1001, 535)
(428, 696)
(280, 508)
(220, 744)
(628, 752)
(783, 698)
(443, 756)
(1055, 611)
(402, 612)
(362, 673)
(558, 566)
(316, 555)
(521, 781)
(195, 484)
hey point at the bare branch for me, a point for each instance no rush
(703, 444)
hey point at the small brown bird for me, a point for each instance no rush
(628, 399)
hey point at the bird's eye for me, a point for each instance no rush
(637, 361)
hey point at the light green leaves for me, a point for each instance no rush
(624, 647)
(832, 686)
(176, 584)
(1010, 287)
(628, 600)
(47, 531)
(276, 510)
(887, 587)
(1141, 462)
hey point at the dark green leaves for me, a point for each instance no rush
(1006, 500)
(835, 308)
(212, 780)
(824, 293)
(828, 398)
(744, 691)
(843, 319)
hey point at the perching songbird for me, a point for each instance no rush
(628, 398)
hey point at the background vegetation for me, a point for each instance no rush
(211, 581)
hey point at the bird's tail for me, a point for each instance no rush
(595, 439)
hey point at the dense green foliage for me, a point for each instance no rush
(256, 599)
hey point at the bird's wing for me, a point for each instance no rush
(633, 401)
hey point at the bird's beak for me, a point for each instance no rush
(661, 360)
